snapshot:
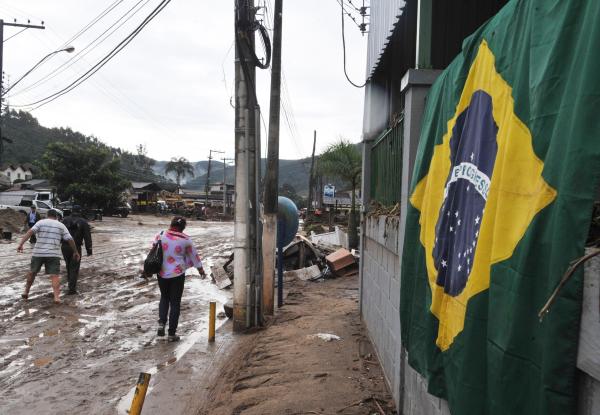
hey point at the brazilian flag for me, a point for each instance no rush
(507, 170)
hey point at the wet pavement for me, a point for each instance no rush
(86, 354)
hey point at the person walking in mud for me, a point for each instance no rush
(79, 229)
(50, 233)
(31, 219)
(179, 254)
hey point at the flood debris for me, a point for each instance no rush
(220, 276)
(325, 336)
(11, 220)
(342, 263)
(303, 274)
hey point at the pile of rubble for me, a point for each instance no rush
(11, 221)
(308, 261)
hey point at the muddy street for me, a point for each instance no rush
(84, 355)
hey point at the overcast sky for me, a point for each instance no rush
(170, 88)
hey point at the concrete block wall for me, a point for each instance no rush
(380, 294)
(380, 302)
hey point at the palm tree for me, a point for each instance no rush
(181, 167)
(343, 161)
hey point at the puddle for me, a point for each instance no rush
(180, 350)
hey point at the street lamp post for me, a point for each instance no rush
(68, 49)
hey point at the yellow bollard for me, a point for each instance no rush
(211, 321)
(140, 394)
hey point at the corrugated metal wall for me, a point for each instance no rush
(384, 16)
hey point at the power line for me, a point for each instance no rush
(80, 54)
(102, 62)
(93, 21)
(347, 13)
(18, 33)
(344, 49)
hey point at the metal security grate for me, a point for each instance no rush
(386, 165)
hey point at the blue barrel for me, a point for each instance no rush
(287, 215)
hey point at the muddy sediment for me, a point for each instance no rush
(84, 355)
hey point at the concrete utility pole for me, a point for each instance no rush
(311, 179)
(246, 206)
(225, 199)
(272, 174)
(2, 92)
(207, 186)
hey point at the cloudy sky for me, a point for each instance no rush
(170, 88)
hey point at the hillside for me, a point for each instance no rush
(30, 139)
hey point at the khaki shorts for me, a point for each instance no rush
(52, 264)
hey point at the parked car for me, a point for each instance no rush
(67, 207)
(25, 205)
(121, 210)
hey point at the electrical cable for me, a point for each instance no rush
(80, 54)
(18, 33)
(349, 13)
(39, 103)
(93, 22)
(344, 49)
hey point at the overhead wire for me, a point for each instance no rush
(117, 96)
(95, 20)
(344, 49)
(18, 33)
(285, 102)
(102, 62)
(128, 15)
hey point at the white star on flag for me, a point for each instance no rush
(459, 267)
(472, 155)
(444, 263)
(477, 219)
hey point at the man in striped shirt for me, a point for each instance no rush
(50, 233)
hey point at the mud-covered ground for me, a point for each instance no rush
(83, 356)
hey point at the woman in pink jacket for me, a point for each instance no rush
(179, 254)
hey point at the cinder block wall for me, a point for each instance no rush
(380, 301)
(380, 295)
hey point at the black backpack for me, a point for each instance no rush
(154, 260)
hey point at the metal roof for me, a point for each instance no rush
(384, 17)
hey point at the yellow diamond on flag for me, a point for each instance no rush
(483, 188)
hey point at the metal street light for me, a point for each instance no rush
(68, 49)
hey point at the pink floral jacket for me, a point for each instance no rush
(179, 253)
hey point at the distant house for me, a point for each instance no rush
(143, 195)
(35, 184)
(17, 171)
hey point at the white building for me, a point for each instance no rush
(16, 172)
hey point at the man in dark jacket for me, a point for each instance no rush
(80, 230)
(31, 219)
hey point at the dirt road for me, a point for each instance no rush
(83, 356)
(315, 358)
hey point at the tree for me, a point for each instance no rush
(289, 191)
(87, 172)
(342, 160)
(142, 159)
(181, 167)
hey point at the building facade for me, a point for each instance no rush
(410, 43)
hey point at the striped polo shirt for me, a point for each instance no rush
(50, 233)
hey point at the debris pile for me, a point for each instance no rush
(11, 220)
(308, 261)
(342, 263)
